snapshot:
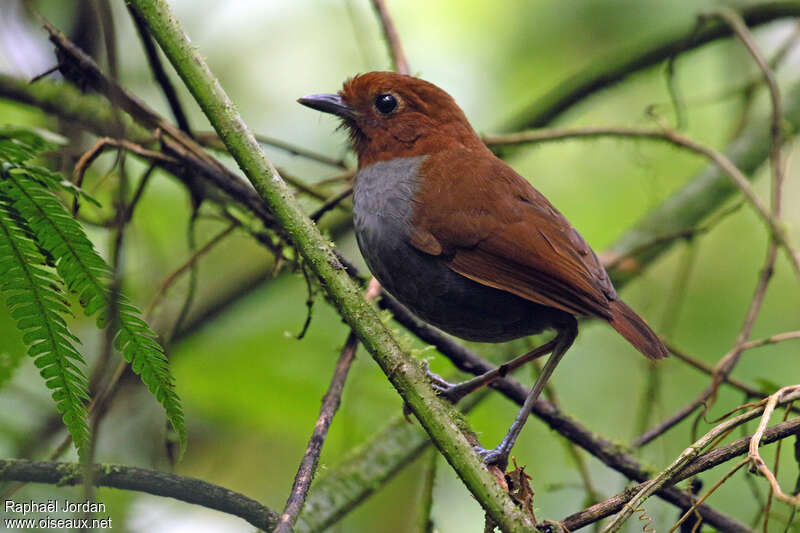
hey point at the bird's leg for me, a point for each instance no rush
(499, 456)
(455, 391)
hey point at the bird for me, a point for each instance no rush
(461, 239)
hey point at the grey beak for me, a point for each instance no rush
(328, 103)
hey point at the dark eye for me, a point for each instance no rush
(385, 103)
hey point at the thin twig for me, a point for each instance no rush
(750, 391)
(755, 458)
(140, 188)
(191, 290)
(606, 71)
(772, 339)
(399, 61)
(331, 203)
(212, 140)
(738, 26)
(676, 100)
(177, 273)
(752, 484)
(176, 141)
(312, 190)
(749, 89)
(347, 175)
(726, 165)
(719, 377)
(425, 522)
(768, 505)
(685, 458)
(702, 463)
(606, 451)
(613, 261)
(44, 74)
(725, 366)
(705, 496)
(86, 160)
(160, 74)
(330, 403)
(740, 29)
(308, 466)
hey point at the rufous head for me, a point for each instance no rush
(392, 115)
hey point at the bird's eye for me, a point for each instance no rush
(385, 103)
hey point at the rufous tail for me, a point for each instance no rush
(635, 329)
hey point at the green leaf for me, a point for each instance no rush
(85, 272)
(18, 145)
(32, 299)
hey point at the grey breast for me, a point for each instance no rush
(383, 209)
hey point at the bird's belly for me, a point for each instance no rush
(422, 282)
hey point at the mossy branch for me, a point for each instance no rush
(67, 102)
(182, 488)
(697, 199)
(439, 419)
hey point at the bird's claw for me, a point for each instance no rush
(443, 388)
(438, 382)
(494, 457)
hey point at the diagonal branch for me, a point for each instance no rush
(308, 466)
(405, 374)
(687, 456)
(711, 191)
(610, 453)
(702, 463)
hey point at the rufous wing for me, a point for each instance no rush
(486, 222)
(489, 224)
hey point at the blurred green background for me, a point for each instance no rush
(251, 391)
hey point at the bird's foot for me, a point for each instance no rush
(495, 457)
(452, 392)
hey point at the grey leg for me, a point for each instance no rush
(499, 456)
(455, 391)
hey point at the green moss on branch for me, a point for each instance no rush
(404, 373)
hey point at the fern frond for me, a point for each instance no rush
(18, 145)
(32, 295)
(87, 274)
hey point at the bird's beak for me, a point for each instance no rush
(328, 103)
